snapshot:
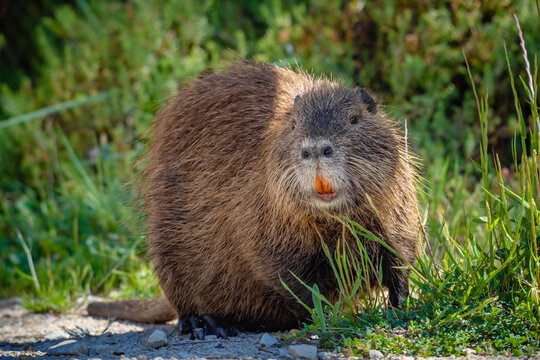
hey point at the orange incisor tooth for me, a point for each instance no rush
(322, 185)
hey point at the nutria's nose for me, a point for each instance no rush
(316, 151)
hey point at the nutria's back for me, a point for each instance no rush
(241, 169)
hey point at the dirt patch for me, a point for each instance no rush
(27, 335)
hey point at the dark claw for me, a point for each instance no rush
(200, 326)
(184, 325)
(214, 327)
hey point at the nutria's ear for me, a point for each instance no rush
(368, 100)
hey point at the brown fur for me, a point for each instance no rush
(231, 203)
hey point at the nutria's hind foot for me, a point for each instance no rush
(201, 325)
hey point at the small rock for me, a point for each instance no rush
(68, 347)
(303, 351)
(375, 354)
(157, 339)
(268, 340)
(325, 354)
(210, 337)
(142, 357)
(452, 357)
(284, 355)
(469, 351)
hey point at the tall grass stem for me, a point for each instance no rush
(30, 261)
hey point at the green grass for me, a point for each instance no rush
(83, 230)
(477, 286)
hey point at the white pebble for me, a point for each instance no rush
(406, 358)
(326, 354)
(268, 340)
(303, 351)
(375, 354)
(157, 339)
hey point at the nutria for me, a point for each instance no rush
(243, 172)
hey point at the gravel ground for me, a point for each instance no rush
(25, 335)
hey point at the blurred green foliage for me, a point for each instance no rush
(66, 197)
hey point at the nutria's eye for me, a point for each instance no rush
(353, 119)
(328, 151)
(305, 154)
(293, 125)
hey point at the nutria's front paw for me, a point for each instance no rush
(398, 289)
(397, 297)
(201, 325)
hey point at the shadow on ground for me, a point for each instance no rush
(29, 335)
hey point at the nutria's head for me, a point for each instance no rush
(335, 151)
